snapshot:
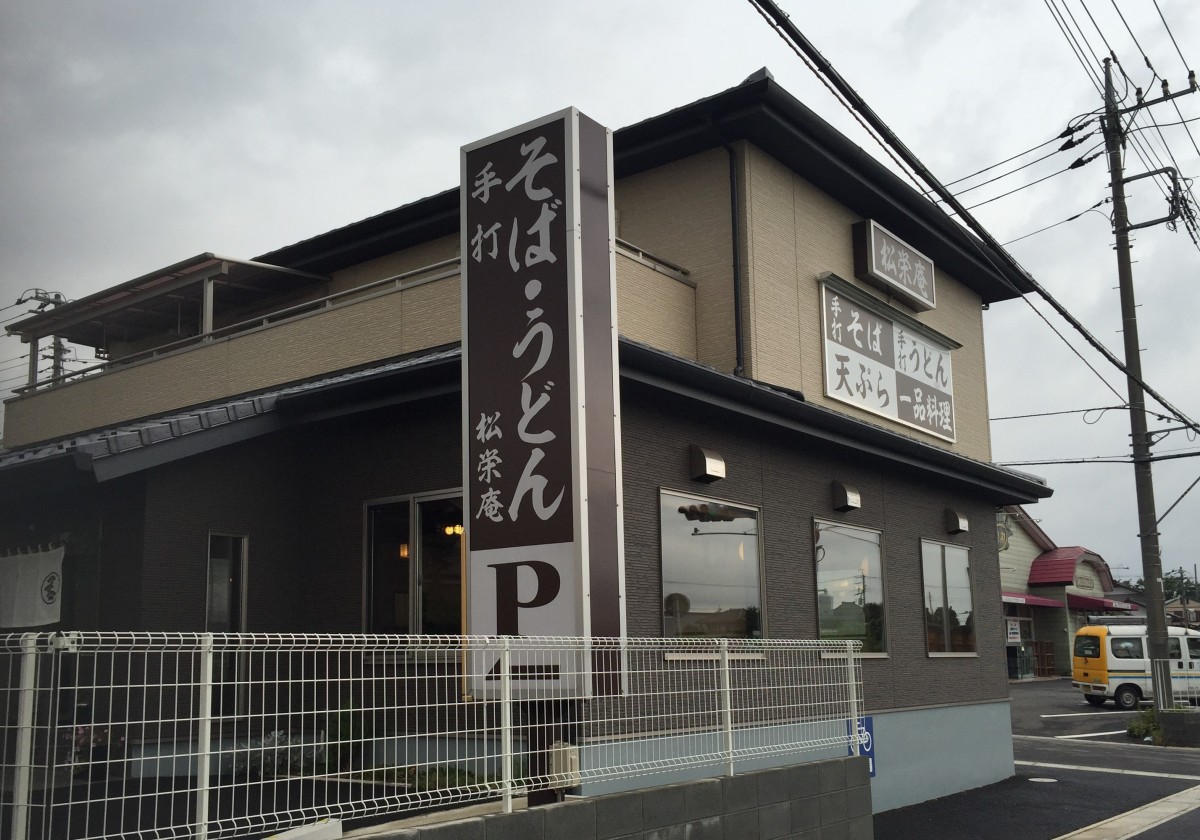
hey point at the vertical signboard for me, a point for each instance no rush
(541, 451)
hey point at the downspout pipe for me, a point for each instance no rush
(738, 337)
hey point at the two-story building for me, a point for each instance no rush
(274, 444)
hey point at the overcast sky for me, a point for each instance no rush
(136, 134)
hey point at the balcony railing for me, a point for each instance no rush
(225, 735)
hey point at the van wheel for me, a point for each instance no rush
(1127, 698)
(1095, 699)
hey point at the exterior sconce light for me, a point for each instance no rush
(403, 551)
(706, 465)
(956, 523)
(845, 497)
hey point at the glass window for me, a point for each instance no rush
(1193, 647)
(949, 609)
(710, 568)
(1174, 649)
(1127, 648)
(226, 583)
(849, 565)
(1087, 647)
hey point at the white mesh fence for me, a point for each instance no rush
(223, 735)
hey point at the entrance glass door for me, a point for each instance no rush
(415, 566)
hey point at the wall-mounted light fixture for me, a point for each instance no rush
(956, 523)
(706, 465)
(845, 497)
(453, 530)
(403, 551)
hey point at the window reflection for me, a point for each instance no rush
(850, 584)
(949, 610)
(710, 568)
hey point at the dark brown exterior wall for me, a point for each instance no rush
(789, 479)
(247, 488)
(413, 448)
(299, 497)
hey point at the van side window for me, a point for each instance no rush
(1127, 648)
(1173, 648)
(1087, 646)
(1193, 647)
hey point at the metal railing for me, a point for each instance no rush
(1184, 675)
(224, 735)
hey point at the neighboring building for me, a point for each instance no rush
(275, 445)
(1048, 593)
(1183, 613)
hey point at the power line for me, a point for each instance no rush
(1068, 145)
(1056, 224)
(1101, 409)
(1065, 134)
(850, 98)
(1172, 34)
(1083, 161)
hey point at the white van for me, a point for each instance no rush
(1111, 663)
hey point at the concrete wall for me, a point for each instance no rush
(922, 754)
(830, 799)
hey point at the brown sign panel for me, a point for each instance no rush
(892, 265)
(541, 472)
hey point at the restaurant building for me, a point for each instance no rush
(276, 444)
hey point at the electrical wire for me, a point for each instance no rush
(1181, 495)
(1062, 27)
(1170, 33)
(1083, 161)
(1056, 224)
(1063, 148)
(1101, 409)
(1065, 134)
(994, 251)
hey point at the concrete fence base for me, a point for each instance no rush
(815, 801)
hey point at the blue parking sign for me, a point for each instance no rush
(866, 740)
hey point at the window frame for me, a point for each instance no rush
(693, 497)
(883, 583)
(243, 587)
(415, 569)
(948, 654)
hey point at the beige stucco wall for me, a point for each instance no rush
(654, 307)
(796, 233)
(680, 213)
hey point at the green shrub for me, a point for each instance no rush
(1145, 725)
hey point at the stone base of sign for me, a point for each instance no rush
(1180, 728)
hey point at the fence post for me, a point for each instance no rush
(726, 707)
(506, 734)
(852, 688)
(26, 705)
(204, 735)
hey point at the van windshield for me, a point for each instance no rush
(1087, 646)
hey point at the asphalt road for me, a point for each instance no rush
(1074, 767)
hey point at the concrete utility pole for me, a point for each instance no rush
(1156, 618)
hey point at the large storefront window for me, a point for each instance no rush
(849, 565)
(710, 568)
(949, 610)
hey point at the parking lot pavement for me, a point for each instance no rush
(1078, 777)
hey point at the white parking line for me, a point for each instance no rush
(1093, 734)
(1048, 766)
(1086, 714)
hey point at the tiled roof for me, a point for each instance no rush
(104, 443)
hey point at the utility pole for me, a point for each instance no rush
(1114, 138)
